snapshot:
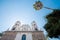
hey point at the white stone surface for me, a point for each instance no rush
(19, 36)
(24, 27)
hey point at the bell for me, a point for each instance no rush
(38, 5)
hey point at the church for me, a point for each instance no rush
(23, 32)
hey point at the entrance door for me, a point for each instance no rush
(24, 37)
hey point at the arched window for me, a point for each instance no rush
(24, 37)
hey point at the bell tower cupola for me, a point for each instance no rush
(34, 26)
(16, 25)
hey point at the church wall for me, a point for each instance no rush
(19, 36)
(38, 36)
(8, 36)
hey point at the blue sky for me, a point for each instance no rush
(22, 10)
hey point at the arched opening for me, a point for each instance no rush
(13, 28)
(24, 37)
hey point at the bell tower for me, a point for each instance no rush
(16, 25)
(34, 26)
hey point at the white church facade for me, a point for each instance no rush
(23, 32)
